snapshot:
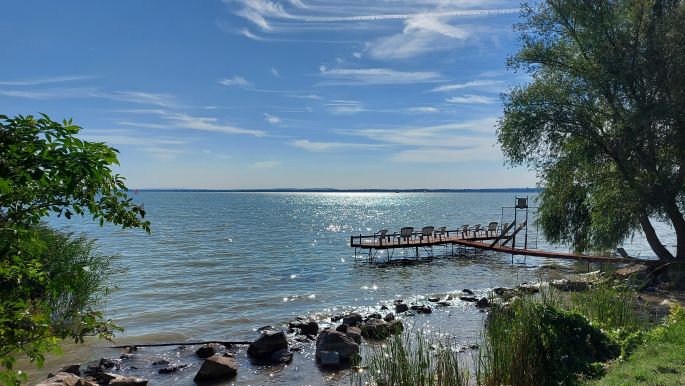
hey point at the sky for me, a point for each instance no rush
(242, 94)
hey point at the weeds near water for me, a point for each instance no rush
(609, 306)
(421, 361)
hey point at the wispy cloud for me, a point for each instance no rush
(209, 124)
(339, 106)
(423, 110)
(488, 84)
(235, 81)
(272, 119)
(471, 100)
(275, 72)
(46, 80)
(266, 164)
(330, 146)
(375, 76)
(138, 97)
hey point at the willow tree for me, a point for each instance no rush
(602, 120)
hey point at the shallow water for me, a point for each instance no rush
(220, 265)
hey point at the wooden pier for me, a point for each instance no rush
(368, 246)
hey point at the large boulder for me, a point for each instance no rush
(281, 357)
(337, 341)
(483, 303)
(66, 379)
(216, 368)
(401, 307)
(267, 344)
(353, 332)
(306, 327)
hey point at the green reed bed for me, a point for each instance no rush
(413, 360)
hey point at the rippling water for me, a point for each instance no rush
(220, 265)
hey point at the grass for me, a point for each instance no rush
(659, 361)
(413, 360)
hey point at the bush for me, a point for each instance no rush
(51, 287)
(532, 343)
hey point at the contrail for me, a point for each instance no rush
(476, 12)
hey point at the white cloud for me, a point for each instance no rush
(491, 85)
(54, 79)
(306, 96)
(375, 76)
(330, 146)
(423, 110)
(339, 106)
(275, 72)
(471, 99)
(266, 164)
(246, 32)
(209, 124)
(236, 81)
(138, 97)
(421, 34)
(272, 119)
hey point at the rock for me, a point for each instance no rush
(306, 327)
(375, 329)
(160, 362)
(401, 307)
(528, 289)
(109, 363)
(384, 307)
(352, 319)
(336, 318)
(206, 351)
(339, 342)
(375, 315)
(355, 333)
(268, 343)
(389, 317)
(126, 356)
(71, 369)
(265, 328)
(483, 303)
(467, 291)
(216, 367)
(342, 328)
(395, 327)
(66, 379)
(570, 286)
(121, 380)
(499, 291)
(329, 358)
(422, 309)
(171, 369)
(433, 299)
(281, 357)
(443, 304)
(469, 298)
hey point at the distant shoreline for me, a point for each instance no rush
(331, 190)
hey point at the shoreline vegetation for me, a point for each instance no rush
(333, 190)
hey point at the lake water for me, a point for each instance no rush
(219, 265)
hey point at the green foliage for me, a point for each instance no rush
(602, 119)
(532, 343)
(404, 360)
(51, 284)
(45, 168)
(660, 360)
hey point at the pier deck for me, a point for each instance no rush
(368, 246)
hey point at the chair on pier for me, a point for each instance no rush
(406, 234)
(491, 229)
(426, 232)
(476, 229)
(464, 229)
(381, 235)
(440, 232)
(504, 229)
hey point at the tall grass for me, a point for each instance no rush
(413, 360)
(610, 307)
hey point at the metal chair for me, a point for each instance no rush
(406, 234)
(426, 232)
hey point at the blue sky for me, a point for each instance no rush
(262, 94)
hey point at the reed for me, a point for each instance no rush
(413, 360)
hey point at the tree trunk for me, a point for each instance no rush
(661, 252)
(678, 222)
